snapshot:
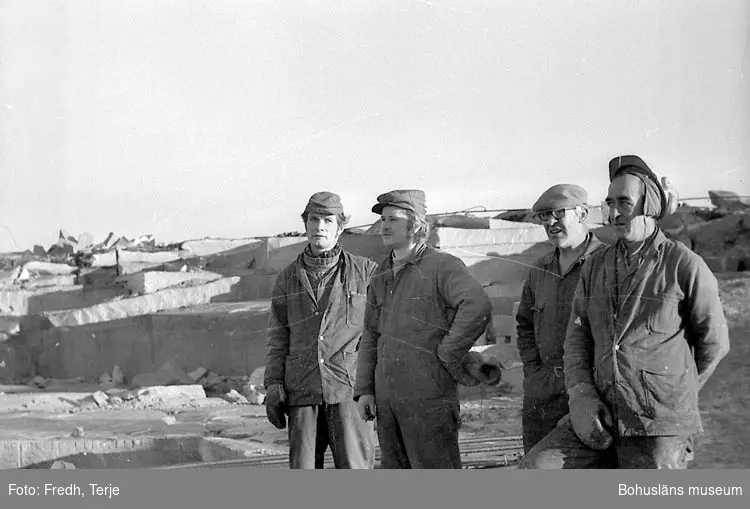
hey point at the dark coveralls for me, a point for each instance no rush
(646, 338)
(312, 350)
(542, 320)
(418, 327)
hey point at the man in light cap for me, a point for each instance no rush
(424, 313)
(543, 312)
(317, 312)
(645, 333)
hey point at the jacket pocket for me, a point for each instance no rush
(355, 308)
(663, 316)
(668, 393)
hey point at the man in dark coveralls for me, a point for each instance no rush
(424, 313)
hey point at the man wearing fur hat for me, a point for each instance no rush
(424, 313)
(317, 313)
(543, 312)
(645, 333)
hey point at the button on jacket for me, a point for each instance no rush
(313, 351)
(649, 350)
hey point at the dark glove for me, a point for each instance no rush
(455, 367)
(483, 371)
(276, 409)
(589, 416)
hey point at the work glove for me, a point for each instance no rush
(455, 368)
(589, 416)
(366, 407)
(276, 408)
(483, 371)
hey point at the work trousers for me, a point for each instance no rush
(312, 429)
(545, 402)
(418, 434)
(562, 449)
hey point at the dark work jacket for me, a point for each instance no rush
(419, 326)
(543, 312)
(648, 356)
(313, 351)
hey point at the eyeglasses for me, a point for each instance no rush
(546, 214)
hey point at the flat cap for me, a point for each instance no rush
(324, 203)
(634, 165)
(407, 199)
(561, 196)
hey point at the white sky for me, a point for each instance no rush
(191, 118)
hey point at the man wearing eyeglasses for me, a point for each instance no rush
(646, 332)
(544, 309)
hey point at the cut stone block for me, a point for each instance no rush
(150, 282)
(226, 338)
(100, 260)
(47, 281)
(207, 247)
(506, 238)
(112, 258)
(92, 349)
(49, 269)
(39, 300)
(39, 452)
(141, 305)
(172, 392)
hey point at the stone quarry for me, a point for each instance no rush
(125, 353)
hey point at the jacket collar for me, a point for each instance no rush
(655, 241)
(593, 244)
(414, 257)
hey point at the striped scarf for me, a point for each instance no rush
(318, 266)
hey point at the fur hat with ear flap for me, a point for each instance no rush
(661, 197)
